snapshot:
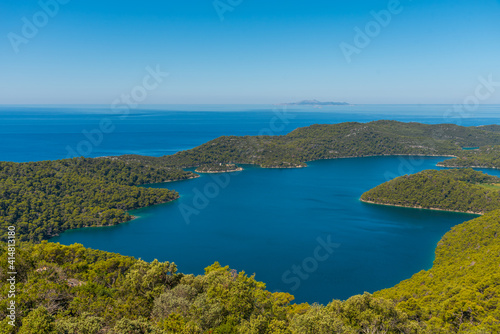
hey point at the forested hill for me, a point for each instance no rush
(484, 157)
(463, 190)
(331, 141)
(45, 198)
(461, 293)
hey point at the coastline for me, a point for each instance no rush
(482, 167)
(290, 167)
(195, 176)
(239, 169)
(420, 207)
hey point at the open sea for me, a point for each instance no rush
(302, 231)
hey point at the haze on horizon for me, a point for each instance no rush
(249, 51)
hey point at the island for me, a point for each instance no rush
(73, 289)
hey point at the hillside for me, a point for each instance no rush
(75, 290)
(484, 157)
(461, 292)
(330, 141)
(43, 199)
(463, 190)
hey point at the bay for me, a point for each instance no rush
(271, 222)
(276, 222)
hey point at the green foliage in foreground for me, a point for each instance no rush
(455, 190)
(331, 141)
(461, 293)
(71, 289)
(45, 198)
(484, 157)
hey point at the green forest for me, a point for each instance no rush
(217, 168)
(461, 292)
(43, 199)
(331, 141)
(76, 290)
(464, 190)
(483, 157)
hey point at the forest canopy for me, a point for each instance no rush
(464, 190)
(43, 199)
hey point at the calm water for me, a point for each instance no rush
(303, 231)
(267, 221)
(41, 133)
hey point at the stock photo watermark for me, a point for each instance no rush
(120, 106)
(11, 275)
(485, 89)
(301, 272)
(224, 6)
(203, 196)
(32, 25)
(372, 29)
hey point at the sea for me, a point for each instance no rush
(301, 231)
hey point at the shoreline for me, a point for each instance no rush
(195, 176)
(420, 207)
(239, 169)
(482, 167)
(290, 167)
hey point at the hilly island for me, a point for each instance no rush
(72, 289)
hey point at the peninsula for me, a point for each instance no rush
(459, 190)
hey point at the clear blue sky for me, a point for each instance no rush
(262, 52)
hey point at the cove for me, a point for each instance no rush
(302, 231)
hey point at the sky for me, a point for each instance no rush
(249, 51)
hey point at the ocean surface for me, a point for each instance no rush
(302, 231)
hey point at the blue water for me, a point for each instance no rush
(271, 222)
(39, 133)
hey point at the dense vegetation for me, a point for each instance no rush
(331, 141)
(484, 157)
(218, 168)
(71, 289)
(45, 198)
(464, 190)
(74, 290)
(461, 293)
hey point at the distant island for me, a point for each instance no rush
(315, 103)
